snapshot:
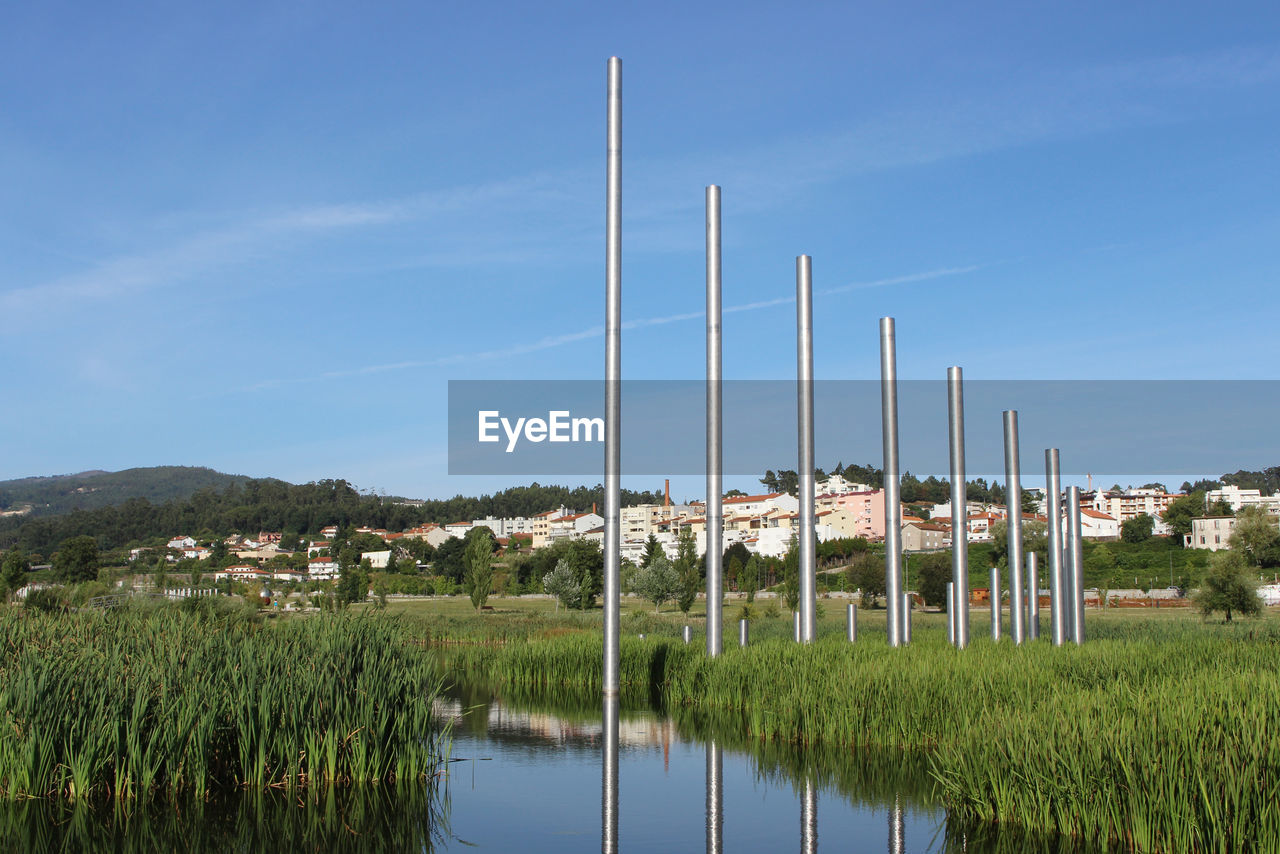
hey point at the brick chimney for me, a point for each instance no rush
(666, 501)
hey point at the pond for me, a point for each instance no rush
(540, 777)
(552, 775)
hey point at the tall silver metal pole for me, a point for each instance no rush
(609, 777)
(1075, 572)
(995, 604)
(804, 355)
(715, 798)
(851, 622)
(906, 618)
(892, 487)
(613, 379)
(1057, 599)
(951, 613)
(1013, 504)
(809, 818)
(959, 511)
(715, 430)
(1033, 597)
(744, 630)
(612, 457)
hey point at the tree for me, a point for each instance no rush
(449, 559)
(791, 574)
(751, 576)
(1219, 508)
(1254, 534)
(1180, 512)
(353, 581)
(77, 560)
(652, 549)
(738, 550)
(161, 575)
(686, 567)
(393, 566)
(1138, 529)
(563, 584)
(13, 572)
(733, 573)
(869, 576)
(1033, 539)
(933, 571)
(479, 559)
(585, 560)
(1229, 586)
(658, 582)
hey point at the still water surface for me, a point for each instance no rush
(526, 776)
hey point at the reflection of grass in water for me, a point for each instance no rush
(365, 819)
(1155, 735)
(172, 701)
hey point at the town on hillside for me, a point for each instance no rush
(763, 524)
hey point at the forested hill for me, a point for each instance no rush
(273, 505)
(89, 490)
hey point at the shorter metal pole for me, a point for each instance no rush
(951, 612)
(795, 626)
(995, 604)
(851, 622)
(743, 632)
(688, 634)
(906, 618)
(1033, 598)
(1076, 567)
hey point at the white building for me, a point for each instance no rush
(1238, 498)
(1095, 525)
(837, 485)
(1209, 532)
(322, 568)
(759, 505)
(1130, 503)
(377, 560)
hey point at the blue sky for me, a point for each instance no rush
(262, 237)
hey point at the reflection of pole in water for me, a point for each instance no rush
(809, 818)
(609, 777)
(897, 828)
(715, 798)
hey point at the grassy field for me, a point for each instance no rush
(1155, 734)
(453, 619)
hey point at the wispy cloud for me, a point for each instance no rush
(1050, 105)
(554, 341)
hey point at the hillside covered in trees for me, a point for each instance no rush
(273, 505)
(90, 490)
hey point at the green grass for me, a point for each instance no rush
(166, 701)
(1158, 734)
